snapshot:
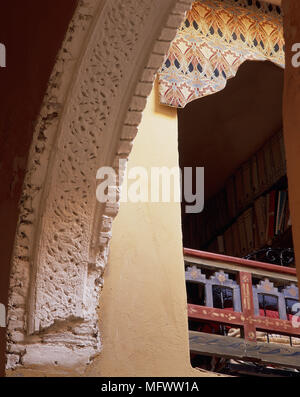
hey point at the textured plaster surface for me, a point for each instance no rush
(94, 102)
(143, 316)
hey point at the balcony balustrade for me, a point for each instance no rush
(242, 309)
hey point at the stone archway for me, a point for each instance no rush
(96, 94)
(93, 105)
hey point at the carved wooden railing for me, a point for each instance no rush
(213, 271)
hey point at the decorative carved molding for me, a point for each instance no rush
(89, 118)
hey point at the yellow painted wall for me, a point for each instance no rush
(143, 317)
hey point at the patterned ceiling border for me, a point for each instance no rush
(216, 37)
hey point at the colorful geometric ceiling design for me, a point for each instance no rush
(216, 37)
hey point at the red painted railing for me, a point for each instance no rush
(246, 319)
(239, 261)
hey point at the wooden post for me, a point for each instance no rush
(247, 305)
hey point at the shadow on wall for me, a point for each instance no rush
(23, 84)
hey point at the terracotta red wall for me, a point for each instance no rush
(32, 31)
(291, 118)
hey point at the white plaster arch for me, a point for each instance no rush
(94, 102)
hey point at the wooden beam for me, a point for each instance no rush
(240, 261)
(274, 325)
(247, 305)
(240, 349)
(233, 267)
(251, 369)
(197, 312)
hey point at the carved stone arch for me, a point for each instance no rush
(93, 105)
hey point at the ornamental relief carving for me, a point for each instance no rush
(93, 105)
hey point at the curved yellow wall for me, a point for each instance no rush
(143, 316)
